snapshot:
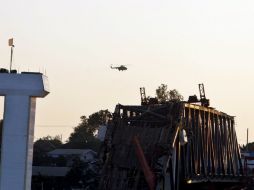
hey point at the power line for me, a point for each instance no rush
(55, 126)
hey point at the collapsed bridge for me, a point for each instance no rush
(170, 146)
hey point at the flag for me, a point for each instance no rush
(11, 42)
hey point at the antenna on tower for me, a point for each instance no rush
(10, 42)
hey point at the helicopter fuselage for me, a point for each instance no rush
(120, 68)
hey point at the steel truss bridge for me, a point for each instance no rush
(171, 146)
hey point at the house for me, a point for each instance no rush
(54, 176)
(50, 171)
(248, 162)
(86, 155)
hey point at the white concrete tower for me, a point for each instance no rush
(20, 91)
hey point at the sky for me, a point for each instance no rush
(179, 43)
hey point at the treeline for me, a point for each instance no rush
(83, 137)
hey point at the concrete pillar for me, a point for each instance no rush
(20, 91)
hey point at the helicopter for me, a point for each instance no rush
(120, 68)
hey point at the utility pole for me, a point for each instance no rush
(10, 42)
(247, 145)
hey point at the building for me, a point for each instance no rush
(55, 177)
(248, 162)
(50, 171)
(87, 155)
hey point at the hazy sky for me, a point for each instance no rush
(180, 43)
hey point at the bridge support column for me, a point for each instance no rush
(20, 91)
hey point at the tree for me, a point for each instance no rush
(163, 94)
(42, 146)
(83, 135)
(249, 147)
(83, 175)
(98, 118)
(48, 143)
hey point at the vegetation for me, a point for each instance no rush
(84, 134)
(83, 174)
(96, 119)
(163, 94)
(249, 147)
(83, 137)
(42, 147)
(48, 143)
